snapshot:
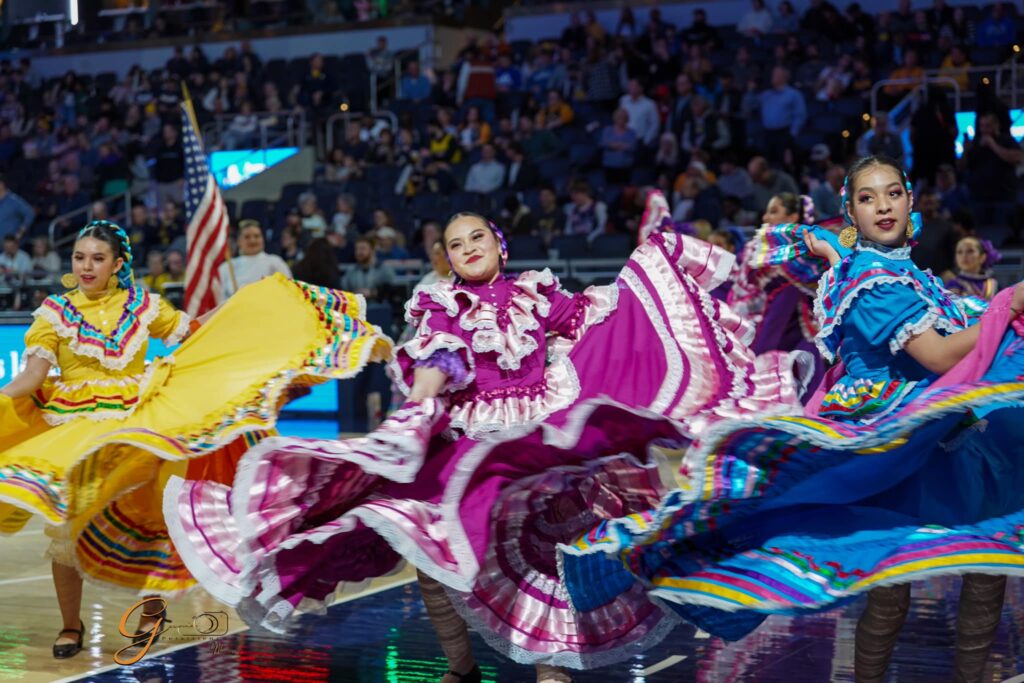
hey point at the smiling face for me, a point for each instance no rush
(879, 204)
(250, 241)
(970, 257)
(473, 249)
(93, 262)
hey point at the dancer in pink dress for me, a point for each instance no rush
(509, 444)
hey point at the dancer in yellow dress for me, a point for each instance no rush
(90, 450)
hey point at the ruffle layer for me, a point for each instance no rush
(95, 399)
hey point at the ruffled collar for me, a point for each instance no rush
(504, 316)
(115, 350)
(891, 253)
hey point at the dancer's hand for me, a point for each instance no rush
(1017, 302)
(821, 248)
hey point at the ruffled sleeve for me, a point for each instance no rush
(170, 324)
(438, 342)
(888, 314)
(41, 340)
(571, 315)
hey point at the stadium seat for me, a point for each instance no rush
(615, 245)
(526, 247)
(571, 246)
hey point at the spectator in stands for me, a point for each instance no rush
(768, 182)
(734, 215)
(290, 251)
(643, 114)
(783, 113)
(367, 277)
(71, 197)
(704, 130)
(313, 222)
(446, 90)
(538, 144)
(522, 173)
(827, 202)
(342, 247)
(955, 66)
(381, 61)
(555, 113)
(834, 80)
(786, 20)
(679, 111)
(318, 265)
(541, 76)
(99, 211)
(45, 261)
(699, 32)
(169, 166)
(996, 30)
(389, 244)
(441, 270)
(550, 217)
(474, 131)
(175, 261)
(953, 196)
(415, 86)
(666, 158)
(755, 22)
(443, 144)
(477, 85)
(429, 233)
(574, 36)
(991, 160)
(861, 23)
(962, 27)
(584, 215)
(517, 218)
(16, 215)
(253, 263)
(814, 20)
(600, 77)
(933, 134)
(936, 246)
(508, 79)
(314, 90)
(170, 227)
(15, 264)
(344, 218)
(733, 179)
(909, 70)
(156, 276)
(881, 140)
(341, 167)
(486, 175)
(619, 145)
(626, 26)
(242, 131)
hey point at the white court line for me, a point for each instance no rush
(662, 665)
(183, 646)
(24, 579)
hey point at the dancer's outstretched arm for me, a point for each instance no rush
(29, 379)
(939, 354)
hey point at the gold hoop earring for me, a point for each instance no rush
(68, 280)
(848, 236)
(910, 230)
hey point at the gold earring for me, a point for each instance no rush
(112, 282)
(910, 229)
(848, 236)
(69, 281)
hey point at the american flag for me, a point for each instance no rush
(207, 231)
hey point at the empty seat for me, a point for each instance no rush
(570, 246)
(611, 246)
(526, 247)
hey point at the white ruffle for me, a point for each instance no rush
(150, 309)
(41, 352)
(422, 348)
(181, 331)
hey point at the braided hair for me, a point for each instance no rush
(495, 230)
(117, 239)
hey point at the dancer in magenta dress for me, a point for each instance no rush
(511, 442)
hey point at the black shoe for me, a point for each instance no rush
(141, 637)
(67, 650)
(473, 676)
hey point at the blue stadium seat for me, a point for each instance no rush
(615, 245)
(571, 246)
(526, 247)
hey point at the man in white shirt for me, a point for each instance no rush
(252, 263)
(486, 175)
(14, 263)
(643, 114)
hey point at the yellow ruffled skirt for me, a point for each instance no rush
(100, 483)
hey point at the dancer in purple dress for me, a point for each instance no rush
(505, 448)
(974, 260)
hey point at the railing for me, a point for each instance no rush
(293, 135)
(920, 89)
(348, 116)
(395, 79)
(58, 224)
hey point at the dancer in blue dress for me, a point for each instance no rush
(906, 464)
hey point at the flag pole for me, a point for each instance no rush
(190, 112)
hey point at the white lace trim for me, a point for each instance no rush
(151, 307)
(897, 254)
(181, 331)
(673, 355)
(42, 352)
(418, 349)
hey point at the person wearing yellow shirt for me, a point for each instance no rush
(90, 450)
(556, 112)
(955, 66)
(157, 277)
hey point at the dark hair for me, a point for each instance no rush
(10, 238)
(120, 246)
(495, 230)
(791, 203)
(867, 162)
(318, 266)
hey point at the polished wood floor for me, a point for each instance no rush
(30, 619)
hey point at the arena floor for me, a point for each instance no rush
(383, 636)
